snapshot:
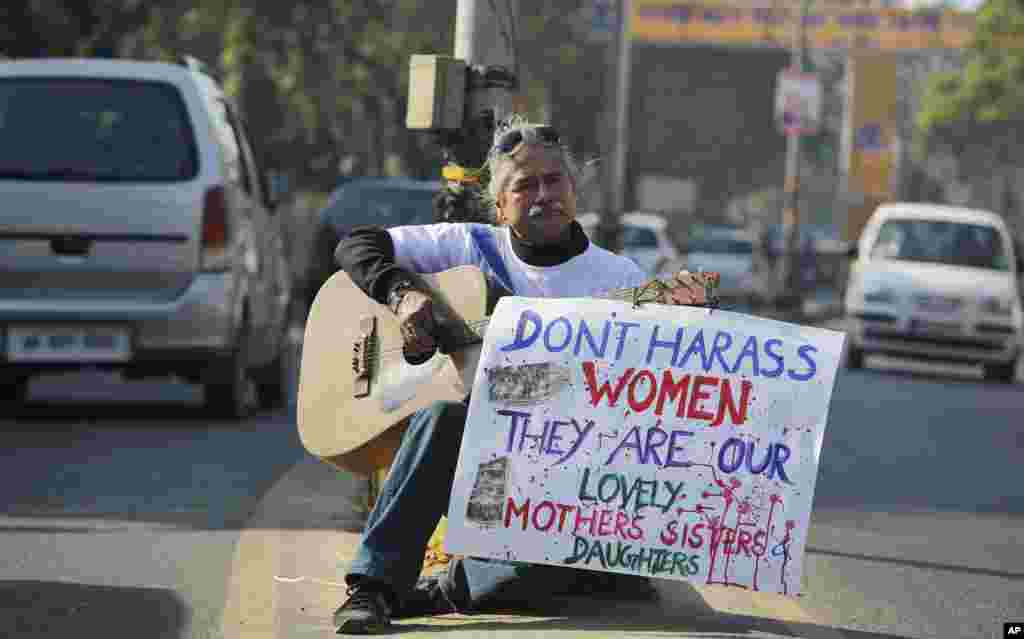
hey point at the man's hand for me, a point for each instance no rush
(416, 319)
(692, 289)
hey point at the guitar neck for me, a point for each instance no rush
(651, 292)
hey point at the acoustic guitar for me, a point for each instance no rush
(358, 386)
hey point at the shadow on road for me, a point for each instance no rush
(40, 609)
(584, 615)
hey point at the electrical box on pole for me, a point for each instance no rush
(459, 99)
(437, 93)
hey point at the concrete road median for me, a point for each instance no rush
(286, 580)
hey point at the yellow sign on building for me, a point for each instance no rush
(868, 156)
(773, 24)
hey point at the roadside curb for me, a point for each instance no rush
(285, 578)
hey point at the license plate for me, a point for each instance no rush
(68, 344)
(927, 326)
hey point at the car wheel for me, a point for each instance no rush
(14, 391)
(232, 396)
(272, 380)
(1002, 373)
(854, 358)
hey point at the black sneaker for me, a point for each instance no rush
(437, 595)
(427, 599)
(367, 611)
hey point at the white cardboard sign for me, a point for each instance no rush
(671, 442)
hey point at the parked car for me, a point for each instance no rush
(936, 282)
(385, 202)
(137, 232)
(644, 239)
(727, 250)
(818, 247)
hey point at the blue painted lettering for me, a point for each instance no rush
(804, 353)
(584, 331)
(528, 321)
(553, 345)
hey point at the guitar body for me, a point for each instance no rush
(356, 387)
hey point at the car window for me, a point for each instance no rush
(229, 144)
(259, 177)
(941, 242)
(103, 130)
(638, 237)
(250, 180)
(382, 206)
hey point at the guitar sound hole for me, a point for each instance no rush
(415, 359)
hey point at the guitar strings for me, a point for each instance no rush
(627, 294)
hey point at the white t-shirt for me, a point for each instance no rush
(432, 248)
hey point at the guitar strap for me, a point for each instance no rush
(484, 241)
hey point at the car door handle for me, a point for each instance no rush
(71, 245)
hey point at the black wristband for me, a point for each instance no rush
(398, 291)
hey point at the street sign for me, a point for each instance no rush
(771, 24)
(798, 102)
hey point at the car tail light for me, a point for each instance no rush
(214, 248)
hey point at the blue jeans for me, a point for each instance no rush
(414, 497)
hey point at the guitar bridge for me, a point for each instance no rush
(362, 352)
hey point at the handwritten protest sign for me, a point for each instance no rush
(672, 442)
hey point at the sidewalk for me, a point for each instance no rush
(286, 580)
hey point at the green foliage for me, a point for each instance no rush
(990, 87)
(320, 82)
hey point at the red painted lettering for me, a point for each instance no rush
(760, 542)
(640, 405)
(636, 530)
(621, 519)
(694, 410)
(563, 511)
(583, 520)
(696, 539)
(727, 403)
(550, 508)
(671, 390)
(668, 535)
(512, 511)
(741, 544)
(597, 392)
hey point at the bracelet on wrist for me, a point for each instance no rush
(397, 293)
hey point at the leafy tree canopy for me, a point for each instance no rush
(989, 90)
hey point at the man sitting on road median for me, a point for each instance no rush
(536, 249)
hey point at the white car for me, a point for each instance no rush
(936, 282)
(644, 239)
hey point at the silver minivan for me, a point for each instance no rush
(136, 232)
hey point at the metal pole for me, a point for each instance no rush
(791, 293)
(614, 201)
(486, 32)
(622, 86)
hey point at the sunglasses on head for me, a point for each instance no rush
(508, 141)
